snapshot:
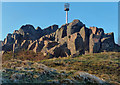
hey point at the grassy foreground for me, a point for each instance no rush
(105, 65)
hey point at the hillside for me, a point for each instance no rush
(105, 66)
(72, 54)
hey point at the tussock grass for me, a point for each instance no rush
(104, 65)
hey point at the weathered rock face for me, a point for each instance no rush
(70, 39)
(94, 43)
(94, 30)
(84, 32)
(100, 32)
(49, 45)
(74, 26)
(50, 29)
(25, 44)
(7, 47)
(9, 39)
(38, 47)
(28, 32)
(75, 44)
(107, 42)
(61, 33)
(32, 45)
(61, 51)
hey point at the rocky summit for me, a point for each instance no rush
(70, 39)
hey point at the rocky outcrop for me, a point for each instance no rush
(38, 47)
(74, 26)
(84, 32)
(107, 42)
(29, 32)
(50, 29)
(9, 39)
(70, 39)
(94, 43)
(61, 51)
(75, 44)
(25, 44)
(61, 33)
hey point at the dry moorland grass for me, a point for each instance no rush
(105, 65)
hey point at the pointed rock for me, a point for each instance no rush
(50, 29)
(74, 26)
(61, 33)
(94, 30)
(9, 39)
(84, 32)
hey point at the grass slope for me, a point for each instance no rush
(105, 65)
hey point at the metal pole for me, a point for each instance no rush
(66, 17)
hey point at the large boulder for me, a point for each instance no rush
(54, 49)
(88, 78)
(63, 40)
(17, 37)
(50, 29)
(28, 32)
(94, 43)
(16, 31)
(9, 39)
(94, 30)
(27, 29)
(75, 44)
(116, 48)
(7, 47)
(51, 44)
(39, 29)
(74, 26)
(84, 32)
(100, 32)
(39, 32)
(61, 33)
(61, 51)
(46, 37)
(47, 46)
(107, 42)
(50, 37)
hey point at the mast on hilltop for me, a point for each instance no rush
(66, 6)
